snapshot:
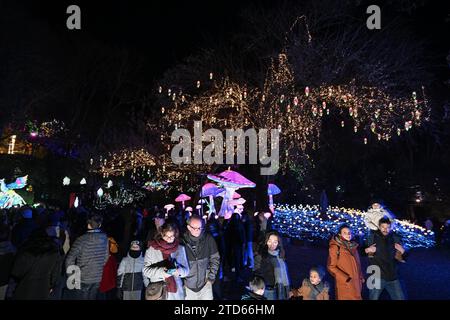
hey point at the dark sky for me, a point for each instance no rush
(166, 31)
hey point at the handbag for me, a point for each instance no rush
(156, 291)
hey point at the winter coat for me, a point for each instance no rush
(235, 231)
(7, 252)
(344, 265)
(253, 296)
(129, 274)
(384, 257)
(22, 231)
(264, 267)
(36, 270)
(155, 272)
(204, 260)
(89, 252)
(306, 290)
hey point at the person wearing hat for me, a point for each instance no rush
(130, 281)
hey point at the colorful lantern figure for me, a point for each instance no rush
(231, 181)
(8, 197)
(210, 190)
(272, 190)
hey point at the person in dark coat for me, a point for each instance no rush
(24, 228)
(271, 266)
(214, 228)
(89, 253)
(7, 254)
(204, 260)
(235, 240)
(36, 268)
(248, 247)
(384, 248)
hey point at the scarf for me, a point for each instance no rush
(315, 289)
(280, 270)
(349, 245)
(166, 249)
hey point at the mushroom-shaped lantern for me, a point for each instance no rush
(272, 190)
(168, 207)
(231, 181)
(210, 190)
(189, 210)
(182, 198)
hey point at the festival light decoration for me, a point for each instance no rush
(296, 112)
(307, 223)
(121, 162)
(66, 181)
(8, 197)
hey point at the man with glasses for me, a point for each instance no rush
(204, 260)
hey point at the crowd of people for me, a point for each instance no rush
(151, 254)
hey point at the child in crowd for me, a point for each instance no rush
(256, 291)
(313, 288)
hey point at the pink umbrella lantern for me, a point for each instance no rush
(211, 190)
(182, 198)
(231, 181)
(272, 190)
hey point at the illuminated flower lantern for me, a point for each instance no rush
(210, 190)
(182, 198)
(272, 190)
(231, 181)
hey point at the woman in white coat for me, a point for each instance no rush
(165, 260)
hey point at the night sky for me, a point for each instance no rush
(168, 31)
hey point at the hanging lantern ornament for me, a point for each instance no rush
(100, 192)
(342, 124)
(365, 140)
(307, 91)
(110, 184)
(83, 181)
(295, 101)
(198, 84)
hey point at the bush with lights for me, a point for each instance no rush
(307, 223)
